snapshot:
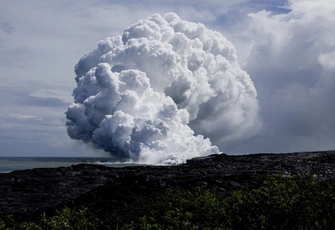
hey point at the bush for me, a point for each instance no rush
(298, 202)
(65, 219)
(2, 224)
(272, 202)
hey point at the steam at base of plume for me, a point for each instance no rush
(148, 95)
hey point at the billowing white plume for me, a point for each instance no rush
(144, 96)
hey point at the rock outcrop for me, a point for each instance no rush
(27, 194)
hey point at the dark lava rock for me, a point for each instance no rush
(27, 194)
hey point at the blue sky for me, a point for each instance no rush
(287, 48)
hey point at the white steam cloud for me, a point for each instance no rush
(152, 94)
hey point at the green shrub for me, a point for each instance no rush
(2, 224)
(70, 219)
(65, 219)
(29, 226)
(272, 202)
(299, 202)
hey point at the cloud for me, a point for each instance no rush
(30, 125)
(287, 48)
(23, 97)
(49, 37)
(292, 65)
(22, 116)
(6, 27)
(151, 94)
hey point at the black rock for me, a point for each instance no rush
(27, 194)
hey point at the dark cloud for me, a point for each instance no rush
(22, 97)
(44, 101)
(291, 66)
(6, 27)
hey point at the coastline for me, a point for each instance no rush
(10, 164)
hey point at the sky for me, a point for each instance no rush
(286, 47)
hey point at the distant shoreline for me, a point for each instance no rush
(10, 164)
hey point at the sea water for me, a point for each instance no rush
(9, 164)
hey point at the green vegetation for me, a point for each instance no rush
(65, 219)
(272, 202)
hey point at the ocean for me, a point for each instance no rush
(9, 164)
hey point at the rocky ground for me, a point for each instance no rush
(27, 194)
